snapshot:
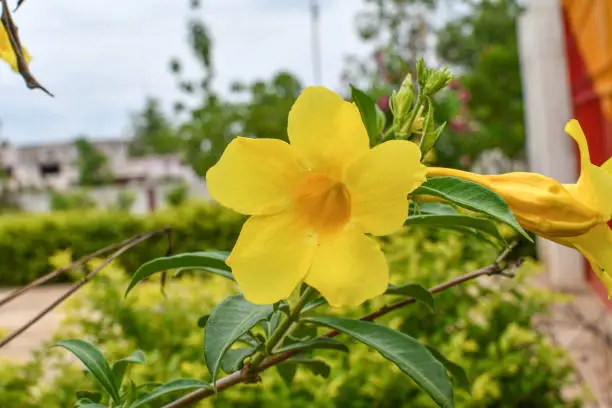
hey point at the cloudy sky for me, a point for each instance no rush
(102, 59)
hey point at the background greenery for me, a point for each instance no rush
(28, 240)
(485, 326)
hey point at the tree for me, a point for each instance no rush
(397, 31)
(92, 164)
(210, 121)
(152, 132)
(482, 44)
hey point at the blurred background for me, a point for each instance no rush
(149, 93)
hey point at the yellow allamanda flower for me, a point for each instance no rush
(313, 201)
(6, 50)
(574, 215)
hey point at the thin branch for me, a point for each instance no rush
(250, 374)
(22, 64)
(20, 291)
(78, 285)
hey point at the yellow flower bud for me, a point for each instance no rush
(540, 204)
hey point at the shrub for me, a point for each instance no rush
(484, 326)
(177, 194)
(27, 241)
(74, 200)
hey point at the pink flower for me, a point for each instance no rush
(454, 85)
(383, 102)
(458, 125)
(464, 95)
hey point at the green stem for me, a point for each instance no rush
(414, 113)
(283, 328)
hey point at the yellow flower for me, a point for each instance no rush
(6, 50)
(574, 215)
(312, 202)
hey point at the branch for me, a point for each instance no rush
(248, 374)
(13, 35)
(132, 242)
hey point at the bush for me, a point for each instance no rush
(177, 194)
(74, 200)
(27, 241)
(485, 326)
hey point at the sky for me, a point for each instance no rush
(102, 59)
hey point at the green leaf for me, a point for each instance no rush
(287, 372)
(317, 367)
(202, 321)
(437, 209)
(407, 353)
(457, 220)
(315, 344)
(272, 323)
(471, 196)
(412, 290)
(381, 120)
(367, 109)
(233, 359)
(228, 321)
(313, 304)
(92, 396)
(430, 136)
(120, 366)
(96, 364)
(455, 369)
(212, 261)
(171, 387)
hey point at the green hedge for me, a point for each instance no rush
(28, 240)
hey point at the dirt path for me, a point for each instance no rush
(20, 310)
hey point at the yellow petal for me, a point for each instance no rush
(541, 204)
(594, 186)
(7, 53)
(255, 176)
(607, 166)
(271, 257)
(596, 246)
(348, 268)
(379, 184)
(327, 131)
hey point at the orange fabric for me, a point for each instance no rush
(591, 23)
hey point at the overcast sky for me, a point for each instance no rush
(102, 59)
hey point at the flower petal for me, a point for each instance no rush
(607, 166)
(594, 187)
(348, 268)
(379, 184)
(255, 176)
(596, 246)
(326, 130)
(541, 204)
(7, 53)
(271, 257)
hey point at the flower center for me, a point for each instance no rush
(322, 203)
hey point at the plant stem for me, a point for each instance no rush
(238, 377)
(283, 328)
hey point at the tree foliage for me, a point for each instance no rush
(482, 44)
(152, 131)
(92, 164)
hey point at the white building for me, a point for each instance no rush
(55, 165)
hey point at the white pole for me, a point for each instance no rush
(547, 108)
(316, 46)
